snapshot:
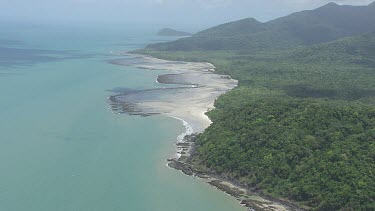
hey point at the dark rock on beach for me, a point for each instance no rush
(185, 168)
(227, 189)
(173, 79)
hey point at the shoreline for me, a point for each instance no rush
(193, 90)
(248, 197)
(181, 138)
(194, 120)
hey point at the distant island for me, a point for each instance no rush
(172, 32)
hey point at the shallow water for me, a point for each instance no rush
(61, 148)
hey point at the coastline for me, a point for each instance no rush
(191, 112)
(189, 92)
(248, 197)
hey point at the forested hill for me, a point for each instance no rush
(301, 124)
(357, 49)
(324, 24)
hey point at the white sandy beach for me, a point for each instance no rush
(191, 104)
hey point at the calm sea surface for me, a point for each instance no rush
(62, 149)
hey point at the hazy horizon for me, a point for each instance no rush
(201, 13)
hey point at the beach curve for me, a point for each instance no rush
(197, 89)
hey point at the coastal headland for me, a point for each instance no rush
(191, 89)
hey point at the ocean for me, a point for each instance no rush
(63, 149)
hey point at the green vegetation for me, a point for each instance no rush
(321, 154)
(301, 124)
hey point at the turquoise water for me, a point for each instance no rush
(62, 149)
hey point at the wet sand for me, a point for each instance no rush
(197, 88)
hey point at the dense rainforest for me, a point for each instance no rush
(301, 123)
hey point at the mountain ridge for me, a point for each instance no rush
(324, 24)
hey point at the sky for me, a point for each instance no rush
(164, 12)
